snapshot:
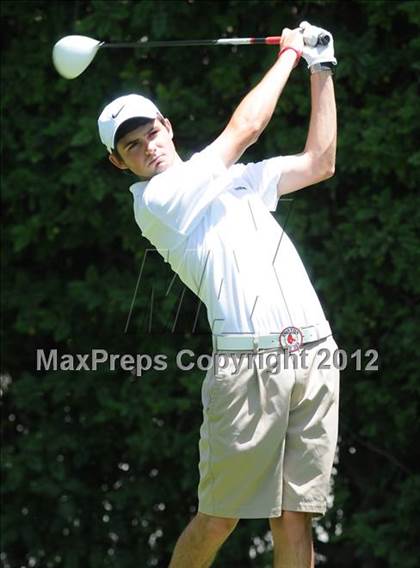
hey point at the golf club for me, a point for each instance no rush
(73, 54)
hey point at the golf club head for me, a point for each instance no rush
(72, 54)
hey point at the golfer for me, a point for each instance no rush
(268, 436)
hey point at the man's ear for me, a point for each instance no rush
(118, 163)
(168, 127)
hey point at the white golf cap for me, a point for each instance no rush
(120, 110)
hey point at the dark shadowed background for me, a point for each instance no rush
(100, 467)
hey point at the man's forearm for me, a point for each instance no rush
(256, 109)
(322, 134)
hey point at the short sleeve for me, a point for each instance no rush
(263, 177)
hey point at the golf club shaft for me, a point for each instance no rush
(271, 40)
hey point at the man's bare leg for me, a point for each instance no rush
(292, 537)
(201, 539)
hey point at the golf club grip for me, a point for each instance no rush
(323, 39)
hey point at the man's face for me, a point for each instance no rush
(148, 150)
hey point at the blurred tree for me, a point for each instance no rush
(100, 468)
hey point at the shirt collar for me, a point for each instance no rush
(138, 187)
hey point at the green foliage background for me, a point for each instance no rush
(100, 468)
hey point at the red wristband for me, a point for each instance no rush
(298, 54)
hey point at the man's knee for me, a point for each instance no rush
(217, 527)
(292, 524)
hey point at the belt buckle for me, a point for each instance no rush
(254, 344)
(291, 338)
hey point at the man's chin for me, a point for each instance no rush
(161, 166)
(155, 169)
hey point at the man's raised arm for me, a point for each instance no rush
(256, 109)
(317, 161)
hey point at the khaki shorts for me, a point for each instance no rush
(268, 437)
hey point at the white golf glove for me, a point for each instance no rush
(319, 53)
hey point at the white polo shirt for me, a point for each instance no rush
(214, 227)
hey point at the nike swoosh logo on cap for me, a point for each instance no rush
(117, 113)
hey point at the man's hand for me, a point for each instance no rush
(320, 53)
(292, 38)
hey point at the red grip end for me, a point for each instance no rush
(272, 40)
